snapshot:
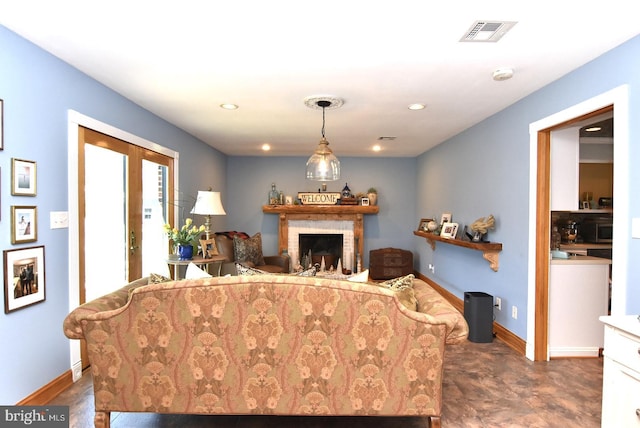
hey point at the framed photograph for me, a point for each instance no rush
(365, 202)
(585, 205)
(446, 218)
(449, 230)
(208, 247)
(1, 124)
(23, 177)
(423, 226)
(24, 224)
(23, 278)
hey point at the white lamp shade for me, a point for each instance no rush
(208, 203)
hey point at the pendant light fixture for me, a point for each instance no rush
(323, 165)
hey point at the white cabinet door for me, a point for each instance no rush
(565, 169)
(578, 296)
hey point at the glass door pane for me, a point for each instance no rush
(155, 212)
(105, 222)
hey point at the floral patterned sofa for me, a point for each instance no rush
(266, 344)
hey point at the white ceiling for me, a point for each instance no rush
(181, 60)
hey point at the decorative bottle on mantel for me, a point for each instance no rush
(274, 196)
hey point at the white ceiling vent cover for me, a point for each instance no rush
(487, 31)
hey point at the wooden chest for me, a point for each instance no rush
(388, 263)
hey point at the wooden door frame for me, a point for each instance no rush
(76, 120)
(539, 228)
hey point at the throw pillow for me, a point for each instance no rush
(403, 287)
(194, 272)
(248, 250)
(248, 270)
(156, 278)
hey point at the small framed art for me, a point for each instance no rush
(365, 202)
(23, 278)
(449, 230)
(24, 224)
(423, 226)
(23, 177)
(446, 218)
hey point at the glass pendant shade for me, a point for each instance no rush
(323, 165)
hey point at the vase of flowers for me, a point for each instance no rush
(184, 238)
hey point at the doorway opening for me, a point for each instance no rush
(615, 100)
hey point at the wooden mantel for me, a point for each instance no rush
(353, 213)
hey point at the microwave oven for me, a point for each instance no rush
(597, 232)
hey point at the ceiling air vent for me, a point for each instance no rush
(487, 31)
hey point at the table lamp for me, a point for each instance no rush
(207, 204)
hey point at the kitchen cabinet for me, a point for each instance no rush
(564, 171)
(578, 296)
(621, 372)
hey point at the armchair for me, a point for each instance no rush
(228, 243)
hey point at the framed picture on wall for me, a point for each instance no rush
(23, 177)
(23, 278)
(24, 224)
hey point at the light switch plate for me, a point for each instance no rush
(59, 219)
(635, 228)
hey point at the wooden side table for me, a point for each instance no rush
(175, 263)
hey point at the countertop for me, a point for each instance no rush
(628, 323)
(581, 260)
(584, 246)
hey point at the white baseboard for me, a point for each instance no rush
(579, 352)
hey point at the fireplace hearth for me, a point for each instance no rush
(325, 245)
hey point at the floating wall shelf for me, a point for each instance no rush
(490, 250)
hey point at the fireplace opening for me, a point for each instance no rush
(327, 246)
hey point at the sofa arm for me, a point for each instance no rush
(434, 304)
(280, 261)
(72, 325)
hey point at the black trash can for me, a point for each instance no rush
(478, 312)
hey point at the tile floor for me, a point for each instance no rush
(485, 385)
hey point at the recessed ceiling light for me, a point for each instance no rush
(593, 129)
(416, 106)
(229, 106)
(266, 147)
(377, 148)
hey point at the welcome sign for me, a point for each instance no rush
(319, 198)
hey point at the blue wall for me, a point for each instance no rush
(485, 170)
(249, 181)
(38, 90)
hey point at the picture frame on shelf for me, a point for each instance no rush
(24, 224)
(449, 230)
(24, 278)
(1, 124)
(445, 218)
(364, 202)
(23, 177)
(423, 226)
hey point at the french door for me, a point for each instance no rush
(125, 195)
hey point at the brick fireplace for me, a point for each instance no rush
(345, 220)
